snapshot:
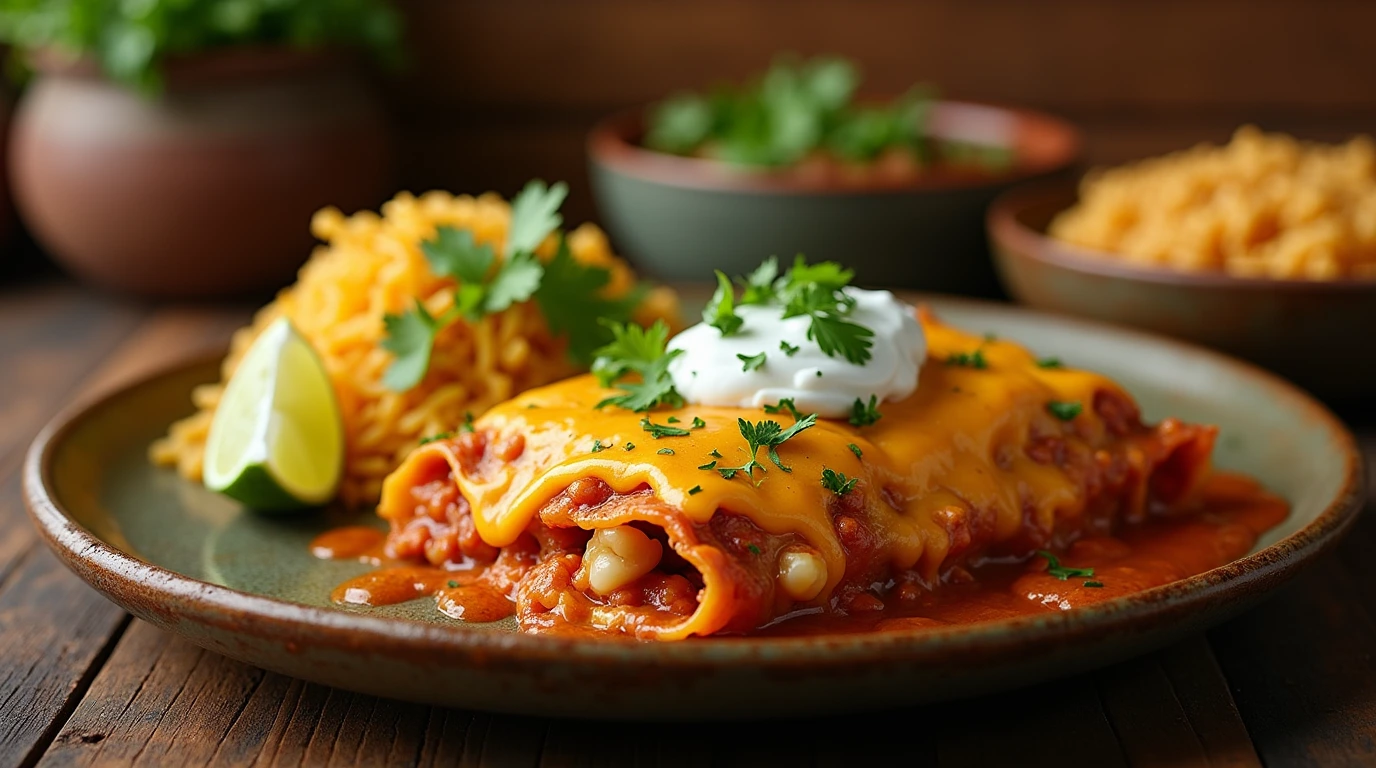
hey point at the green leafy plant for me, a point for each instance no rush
(797, 108)
(131, 38)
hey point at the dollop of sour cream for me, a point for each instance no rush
(710, 373)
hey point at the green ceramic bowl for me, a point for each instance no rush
(245, 584)
(1313, 333)
(679, 218)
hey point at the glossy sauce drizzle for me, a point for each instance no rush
(1235, 512)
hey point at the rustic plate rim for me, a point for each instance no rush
(148, 589)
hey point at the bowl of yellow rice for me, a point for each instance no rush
(1264, 247)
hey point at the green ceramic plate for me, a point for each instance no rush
(244, 584)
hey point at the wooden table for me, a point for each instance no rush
(1291, 682)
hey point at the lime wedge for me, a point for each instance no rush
(277, 439)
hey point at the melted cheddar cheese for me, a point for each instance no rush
(955, 442)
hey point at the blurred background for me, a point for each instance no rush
(178, 148)
(500, 92)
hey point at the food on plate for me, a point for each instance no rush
(811, 456)
(804, 115)
(1264, 205)
(441, 307)
(277, 438)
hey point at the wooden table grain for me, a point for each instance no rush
(1292, 682)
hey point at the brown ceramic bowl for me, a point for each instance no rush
(1310, 332)
(681, 217)
(205, 188)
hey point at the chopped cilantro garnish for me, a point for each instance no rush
(855, 449)
(1094, 584)
(1050, 362)
(754, 550)
(665, 451)
(630, 446)
(968, 359)
(659, 430)
(695, 490)
(1065, 411)
(698, 423)
(1055, 570)
(636, 350)
(759, 284)
(785, 405)
(467, 425)
(568, 292)
(838, 483)
(788, 349)
(709, 465)
(864, 414)
(571, 300)
(812, 290)
(410, 338)
(751, 362)
(720, 312)
(453, 584)
(596, 446)
(766, 434)
(434, 438)
(716, 454)
(672, 419)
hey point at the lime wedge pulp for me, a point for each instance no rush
(277, 439)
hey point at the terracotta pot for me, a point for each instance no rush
(205, 189)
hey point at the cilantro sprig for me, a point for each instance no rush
(661, 430)
(863, 414)
(637, 361)
(785, 405)
(816, 291)
(569, 293)
(1055, 570)
(838, 483)
(768, 435)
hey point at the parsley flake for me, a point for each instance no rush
(434, 438)
(751, 362)
(695, 490)
(720, 312)
(855, 449)
(754, 550)
(665, 451)
(765, 434)
(788, 349)
(838, 483)
(716, 454)
(467, 425)
(659, 430)
(453, 584)
(785, 405)
(968, 359)
(597, 446)
(672, 420)
(1050, 362)
(630, 446)
(1065, 411)
(864, 414)
(698, 423)
(1094, 584)
(709, 465)
(1055, 570)
(642, 351)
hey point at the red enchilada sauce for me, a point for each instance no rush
(1235, 511)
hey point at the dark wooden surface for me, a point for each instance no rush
(1292, 682)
